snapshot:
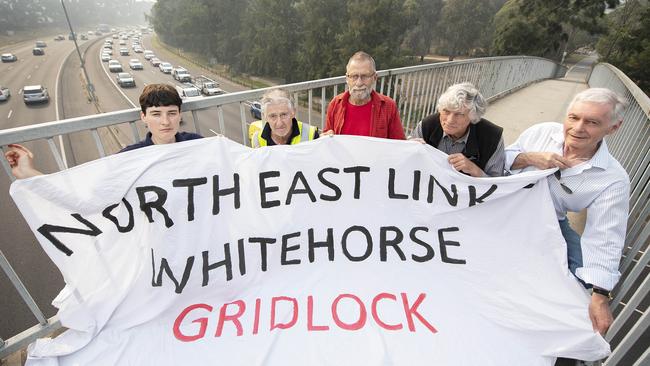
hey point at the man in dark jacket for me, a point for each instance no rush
(474, 145)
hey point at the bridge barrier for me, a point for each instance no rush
(416, 89)
(629, 335)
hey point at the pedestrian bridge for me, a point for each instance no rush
(522, 91)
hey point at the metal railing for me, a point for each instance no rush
(416, 90)
(629, 335)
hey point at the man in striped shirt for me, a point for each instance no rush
(588, 177)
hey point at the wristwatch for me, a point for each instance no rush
(600, 291)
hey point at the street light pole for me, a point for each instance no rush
(89, 85)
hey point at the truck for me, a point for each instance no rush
(207, 85)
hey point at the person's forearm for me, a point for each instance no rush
(521, 161)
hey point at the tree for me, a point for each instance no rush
(270, 39)
(548, 22)
(376, 27)
(323, 21)
(424, 15)
(627, 45)
(464, 24)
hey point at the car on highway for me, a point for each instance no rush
(107, 50)
(35, 94)
(40, 44)
(137, 49)
(135, 64)
(124, 51)
(60, 37)
(148, 55)
(114, 66)
(155, 61)
(8, 57)
(166, 67)
(83, 37)
(4, 93)
(256, 110)
(37, 51)
(181, 74)
(125, 79)
(106, 57)
(107, 45)
(188, 91)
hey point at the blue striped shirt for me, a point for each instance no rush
(600, 185)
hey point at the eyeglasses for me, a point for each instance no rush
(356, 77)
(558, 176)
(275, 116)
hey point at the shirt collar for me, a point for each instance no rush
(462, 139)
(600, 158)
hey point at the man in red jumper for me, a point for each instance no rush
(361, 110)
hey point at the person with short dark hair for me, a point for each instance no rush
(161, 113)
(474, 144)
(361, 110)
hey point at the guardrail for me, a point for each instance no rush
(416, 90)
(629, 335)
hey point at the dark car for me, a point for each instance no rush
(256, 110)
(38, 51)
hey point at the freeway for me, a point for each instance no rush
(59, 71)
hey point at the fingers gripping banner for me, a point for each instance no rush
(340, 251)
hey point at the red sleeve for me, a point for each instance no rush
(329, 118)
(395, 129)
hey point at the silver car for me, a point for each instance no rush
(125, 79)
(114, 66)
(165, 67)
(35, 94)
(135, 64)
(4, 93)
(8, 57)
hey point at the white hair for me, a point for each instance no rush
(463, 95)
(276, 96)
(603, 96)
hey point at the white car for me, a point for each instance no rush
(114, 66)
(106, 57)
(124, 51)
(188, 91)
(148, 55)
(181, 75)
(125, 79)
(166, 67)
(35, 94)
(137, 49)
(135, 64)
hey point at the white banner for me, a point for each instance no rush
(341, 251)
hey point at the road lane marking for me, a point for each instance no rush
(29, 76)
(10, 112)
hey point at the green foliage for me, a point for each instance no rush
(465, 24)
(627, 45)
(318, 55)
(549, 24)
(424, 16)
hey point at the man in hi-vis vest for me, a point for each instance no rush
(279, 125)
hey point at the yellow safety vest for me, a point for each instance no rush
(304, 134)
